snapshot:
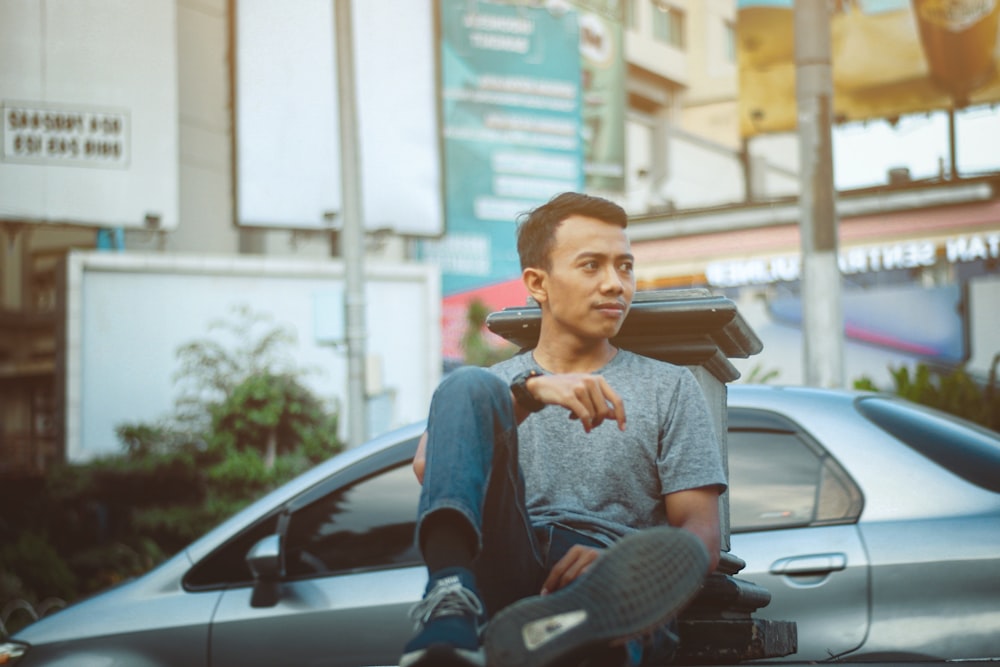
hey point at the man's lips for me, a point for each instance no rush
(614, 308)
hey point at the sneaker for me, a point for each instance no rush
(643, 581)
(448, 622)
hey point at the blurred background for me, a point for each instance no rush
(187, 185)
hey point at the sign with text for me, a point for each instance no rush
(913, 254)
(36, 133)
(511, 110)
(90, 127)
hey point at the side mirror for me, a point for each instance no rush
(266, 562)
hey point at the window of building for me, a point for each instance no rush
(730, 41)
(632, 14)
(668, 24)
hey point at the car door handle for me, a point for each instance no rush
(811, 564)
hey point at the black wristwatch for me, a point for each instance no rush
(519, 388)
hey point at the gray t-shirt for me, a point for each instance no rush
(608, 483)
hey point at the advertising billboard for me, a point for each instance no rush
(287, 115)
(511, 109)
(88, 92)
(889, 58)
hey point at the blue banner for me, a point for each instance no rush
(511, 116)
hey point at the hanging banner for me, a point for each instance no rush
(511, 110)
(890, 58)
(602, 57)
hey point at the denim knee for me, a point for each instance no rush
(474, 383)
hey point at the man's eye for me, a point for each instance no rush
(626, 267)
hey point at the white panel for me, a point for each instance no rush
(288, 115)
(701, 174)
(397, 101)
(90, 127)
(127, 314)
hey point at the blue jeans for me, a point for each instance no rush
(472, 468)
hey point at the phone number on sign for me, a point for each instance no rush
(82, 137)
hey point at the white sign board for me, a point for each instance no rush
(127, 314)
(287, 115)
(88, 92)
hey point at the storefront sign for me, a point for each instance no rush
(863, 259)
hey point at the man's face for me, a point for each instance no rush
(590, 281)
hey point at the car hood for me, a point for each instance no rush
(111, 610)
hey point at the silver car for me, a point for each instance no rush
(874, 524)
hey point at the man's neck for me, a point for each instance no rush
(573, 356)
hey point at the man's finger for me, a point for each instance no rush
(616, 402)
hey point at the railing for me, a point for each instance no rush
(26, 454)
(17, 605)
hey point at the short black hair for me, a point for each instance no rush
(536, 229)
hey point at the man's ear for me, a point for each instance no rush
(534, 282)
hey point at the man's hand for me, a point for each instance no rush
(576, 561)
(589, 398)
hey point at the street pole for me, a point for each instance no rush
(352, 231)
(822, 316)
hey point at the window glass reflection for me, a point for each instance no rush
(366, 525)
(773, 480)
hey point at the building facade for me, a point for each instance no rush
(708, 207)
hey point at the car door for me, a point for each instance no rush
(794, 512)
(351, 574)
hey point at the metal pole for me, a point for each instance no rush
(352, 232)
(822, 317)
(952, 149)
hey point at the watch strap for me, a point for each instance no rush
(519, 387)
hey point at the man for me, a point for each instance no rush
(570, 494)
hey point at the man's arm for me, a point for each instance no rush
(697, 510)
(588, 398)
(694, 510)
(420, 458)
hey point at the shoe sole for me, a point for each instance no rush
(642, 582)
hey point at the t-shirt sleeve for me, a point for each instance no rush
(689, 453)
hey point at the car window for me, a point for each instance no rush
(779, 477)
(966, 449)
(368, 524)
(228, 566)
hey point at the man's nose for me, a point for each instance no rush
(612, 282)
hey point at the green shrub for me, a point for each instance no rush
(244, 424)
(477, 350)
(952, 391)
(38, 567)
